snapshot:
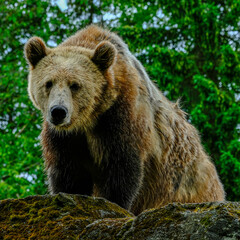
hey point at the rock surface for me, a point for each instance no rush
(66, 216)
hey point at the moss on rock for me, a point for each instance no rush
(61, 216)
(66, 216)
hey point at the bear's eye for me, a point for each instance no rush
(74, 87)
(49, 85)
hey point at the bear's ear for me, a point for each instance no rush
(34, 50)
(104, 55)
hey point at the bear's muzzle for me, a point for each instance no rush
(58, 114)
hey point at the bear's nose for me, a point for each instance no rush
(58, 113)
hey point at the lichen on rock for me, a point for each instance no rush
(60, 216)
(68, 216)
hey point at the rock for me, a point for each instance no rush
(67, 216)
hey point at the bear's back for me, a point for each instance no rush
(91, 36)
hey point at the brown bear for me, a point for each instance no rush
(108, 131)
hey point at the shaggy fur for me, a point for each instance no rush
(121, 138)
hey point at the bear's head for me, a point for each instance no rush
(70, 85)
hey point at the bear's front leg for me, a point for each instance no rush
(66, 160)
(121, 176)
(68, 179)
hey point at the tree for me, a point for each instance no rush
(189, 48)
(20, 156)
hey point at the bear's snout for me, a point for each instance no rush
(58, 114)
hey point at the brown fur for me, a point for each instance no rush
(116, 115)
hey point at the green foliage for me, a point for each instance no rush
(189, 48)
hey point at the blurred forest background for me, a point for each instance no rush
(190, 48)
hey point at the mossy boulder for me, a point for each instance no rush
(66, 216)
